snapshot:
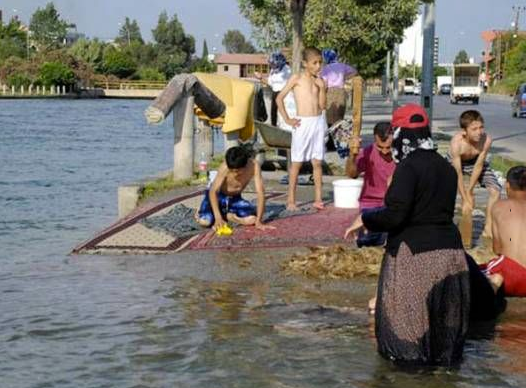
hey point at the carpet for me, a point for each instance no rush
(324, 227)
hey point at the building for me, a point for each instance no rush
(410, 50)
(242, 65)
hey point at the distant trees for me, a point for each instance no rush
(235, 42)
(129, 32)
(461, 57)
(128, 56)
(48, 29)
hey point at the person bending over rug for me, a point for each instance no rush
(223, 200)
(509, 237)
(376, 162)
(468, 151)
(423, 299)
(309, 127)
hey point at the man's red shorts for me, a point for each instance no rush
(513, 273)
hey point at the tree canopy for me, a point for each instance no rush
(47, 28)
(235, 42)
(361, 31)
(129, 32)
(462, 57)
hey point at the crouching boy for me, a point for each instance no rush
(223, 201)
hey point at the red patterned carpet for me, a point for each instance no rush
(322, 228)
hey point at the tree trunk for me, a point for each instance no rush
(297, 8)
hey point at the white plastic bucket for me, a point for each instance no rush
(347, 192)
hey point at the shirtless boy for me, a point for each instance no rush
(223, 200)
(309, 127)
(468, 151)
(509, 237)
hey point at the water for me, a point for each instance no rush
(181, 320)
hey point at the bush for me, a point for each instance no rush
(509, 84)
(56, 73)
(150, 74)
(118, 63)
(19, 79)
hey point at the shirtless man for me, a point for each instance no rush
(223, 199)
(509, 237)
(310, 125)
(468, 151)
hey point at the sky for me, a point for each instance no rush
(458, 22)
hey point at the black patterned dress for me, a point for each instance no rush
(423, 304)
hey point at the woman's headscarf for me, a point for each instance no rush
(411, 131)
(277, 61)
(329, 56)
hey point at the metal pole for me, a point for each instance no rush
(395, 76)
(388, 73)
(427, 60)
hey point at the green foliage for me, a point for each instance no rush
(235, 42)
(361, 32)
(439, 71)
(118, 63)
(203, 65)
(271, 22)
(56, 73)
(89, 51)
(174, 48)
(516, 59)
(503, 164)
(150, 74)
(48, 30)
(19, 79)
(361, 35)
(462, 57)
(410, 70)
(13, 40)
(205, 50)
(129, 32)
(162, 185)
(509, 84)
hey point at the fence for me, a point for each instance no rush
(131, 85)
(32, 90)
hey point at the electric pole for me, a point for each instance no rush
(517, 10)
(427, 60)
(396, 58)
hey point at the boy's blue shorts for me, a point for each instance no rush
(227, 204)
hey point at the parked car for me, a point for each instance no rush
(417, 89)
(409, 86)
(518, 104)
(445, 89)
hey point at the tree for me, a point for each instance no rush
(516, 59)
(173, 46)
(271, 22)
(361, 31)
(118, 63)
(56, 73)
(205, 50)
(48, 29)
(89, 51)
(13, 40)
(235, 42)
(462, 57)
(129, 32)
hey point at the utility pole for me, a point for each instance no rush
(395, 75)
(427, 60)
(517, 10)
(387, 76)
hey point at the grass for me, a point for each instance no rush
(164, 184)
(167, 183)
(503, 164)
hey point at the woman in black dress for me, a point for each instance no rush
(423, 300)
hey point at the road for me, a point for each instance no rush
(509, 133)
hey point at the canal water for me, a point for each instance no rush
(172, 321)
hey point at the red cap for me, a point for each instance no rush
(402, 117)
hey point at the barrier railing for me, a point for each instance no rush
(131, 85)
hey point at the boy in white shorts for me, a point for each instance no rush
(310, 125)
